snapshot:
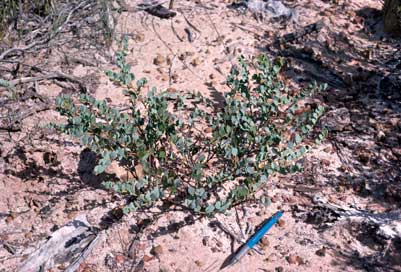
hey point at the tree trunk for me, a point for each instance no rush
(392, 16)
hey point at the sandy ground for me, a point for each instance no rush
(45, 183)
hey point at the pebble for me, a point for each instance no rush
(205, 240)
(199, 263)
(292, 259)
(195, 62)
(321, 252)
(175, 77)
(265, 242)
(165, 77)
(147, 258)
(140, 37)
(281, 222)
(159, 60)
(120, 259)
(157, 250)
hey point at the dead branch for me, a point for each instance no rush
(54, 75)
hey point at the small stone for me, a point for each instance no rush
(159, 60)
(175, 77)
(140, 37)
(10, 218)
(157, 250)
(195, 62)
(169, 60)
(279, 269)
(325, 162)
(394, 122)
(265, 242)
(364, 156)
(381, 135)
(328, 149)
(300, 260)
(321, 252)
(205, 240)
(199, 263)
(211, 76)
(275, 199)
(120, 259)
(171, 90)
(165, 77)
(281, 223)
(292, 259)
(147, 258)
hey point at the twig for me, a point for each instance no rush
(50, 36)
(14, 124)
(54, 75)
(175, 32)
(171, 5)
(190, 24)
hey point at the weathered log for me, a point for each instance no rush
(68, 246)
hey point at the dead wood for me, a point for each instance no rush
(68, 246)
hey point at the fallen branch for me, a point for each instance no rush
(388, 224)
(54, 75)
(68, 246)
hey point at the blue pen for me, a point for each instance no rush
(252, 241)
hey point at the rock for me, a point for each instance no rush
(264, 242)
(281, 222)
(381, 135)
(120, 259)
(392, 21)
(139, 37)
(205, 240)
(175, 77)
(363, 155)
(395, 122)
(321, 252)
(159, 60)
(336, 120)
(292, 259)
(195, 62)
(171, 90)
(147, 258)
(279, 269)
(199, 263)
(270, 9)
(157, 250)
(119, 171)
(165, 77)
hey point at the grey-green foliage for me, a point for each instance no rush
(182, 150)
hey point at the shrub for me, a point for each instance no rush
(183, 150)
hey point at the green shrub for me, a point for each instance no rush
(183, 150)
